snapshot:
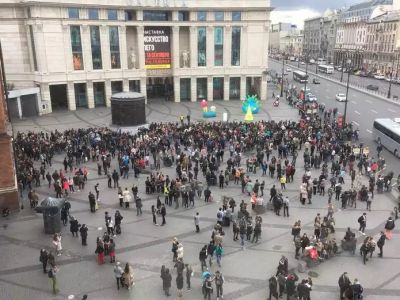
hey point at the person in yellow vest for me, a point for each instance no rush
(283, 182)
(166, 194)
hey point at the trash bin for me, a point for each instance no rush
(51, 210)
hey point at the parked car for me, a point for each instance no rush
(307, 89)
(363, 74)
(340, 97)
(311, 98)
(302, 63)
(372, 87)
(288, 70)
(316, 81)
(379, 76)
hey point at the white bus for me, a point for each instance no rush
(387, 133)
(300, 76)
(325, 69)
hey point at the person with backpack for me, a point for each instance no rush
(357, 290)
(207, 288)
(219, 251)
(362, 220)
(220, 216)
(389, 226)
(381, 243)
(219, 282)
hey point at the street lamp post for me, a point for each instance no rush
(305, 81)
(347, 94)
(283, 66)
(341, 77)
(389, 94)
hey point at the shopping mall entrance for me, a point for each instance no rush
(160, 88)
(58, 96)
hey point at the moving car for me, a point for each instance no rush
(307, 89)
(379, 76)
(311, 98)
(372, 87)
(340, 97)
(316, 81)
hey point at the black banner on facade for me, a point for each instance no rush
(157, 48)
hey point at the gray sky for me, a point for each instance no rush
(318, 5)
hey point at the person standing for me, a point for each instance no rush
(389, 226)
(362, 220)
(189, 274)
(273, 288)
(138, 202)
(74, 226)
(154, 213)
(344, 283)
(286, 206)
(297, 245)
(357, 290)
(219, 251)
(92, 202)
(126, 197)
(203, 257)
(84, 232)
(369, 201)
(111, 251)
(163, 213)
(197, 222)
(96, 188)
(118, 273)
(52, 275)
(43, 258)
(167, 279)
(57, 243)
(118, 220)
(179, 284)
(100, 252)
(219, 282)
(381, 243)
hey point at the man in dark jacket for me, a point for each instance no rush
(381, 243)
(163, 213)
(291, 285)
(92, 202)
(203, 257)
(83, 230)
(344, 283)
(74, 226)
(273, 286)
(44, 256)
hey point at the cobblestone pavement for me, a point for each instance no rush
(147, 247)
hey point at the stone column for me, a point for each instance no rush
(193, 89)
(243, 46)
(125, 85)
(71, 96)
(143, 89)
(228, 45)
(210, 46)
(19, 107)
(90, 94)
(122, 45)
(40, 48)
(193, 46)
(177, 89)
(175, 48)
(264, 90)
(226, 88)
(86, 48)
(45, 95)
(210, 96)
(105, 47)
(107, 86)
(242, 87)
(140, 43)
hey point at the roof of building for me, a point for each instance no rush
(389, 16)
(371, 3)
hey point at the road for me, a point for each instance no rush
(362, 109)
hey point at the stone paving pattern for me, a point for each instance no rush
(146, 247)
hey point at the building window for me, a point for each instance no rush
(236, 16)
(218, 46)
(99, 94)
(154, 15)
(234, 88)
(219, 16)
(201, 46)
(201, 16)
(96, 47)
(218, 88)
(134, 86)
(130, 15)
(183, 16)
(80, 95)
(114, 47)
(112, 14)
(35, 67)
(185, 89)
(93, 14)
(201, 88)
(236, 31)
(73, 13)
(116, 87)
(76, 45)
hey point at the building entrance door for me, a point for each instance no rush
(160, 88)
(58, 96)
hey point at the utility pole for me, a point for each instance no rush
(347, 95)
(305, 81)
(389, 94)
(341, 77)
(283, 66)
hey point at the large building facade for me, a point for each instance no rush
(73, 53)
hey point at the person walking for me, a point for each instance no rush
(344, 283)
(203, 257)
(74, 226)
(111, 250)
(286, 206)
(163, 213)
(97, 190)
(219, 251)
(381, 243)
(43, 258)
(138, 202)
(57, 243)
(92, 202)
(118, 273)
(167, 279)
(126, 197)
(362, 220)
(179, 284)
(219, 282)
(197, 222)
(154, 213)
(389, 226)
(84, 233)
(369, 201)
(100, 252)
(52, 274)
(189, 274)
(118, 220)
(357, 290)
(273, 287)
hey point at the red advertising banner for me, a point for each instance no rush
(157, 47)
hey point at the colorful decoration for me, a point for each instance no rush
(249, 115)
(208, 113)
(253, 103)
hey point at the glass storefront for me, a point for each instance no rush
(80, 95)
(116, 87)
(99, 94)
(96, 47)
(185, 89)
(202, 46)
(253, 86)
(134, 86)
(218, 46)
(218, 88)
(234, 88)
(76, 45)
(114, 47)
(236, 32)
(201, 88)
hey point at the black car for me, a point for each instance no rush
(316, 81)
(372, 87)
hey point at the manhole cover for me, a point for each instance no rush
(313, 274)
(277, 247)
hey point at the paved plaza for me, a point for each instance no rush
(146, 247)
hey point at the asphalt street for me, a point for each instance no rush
(362, 108)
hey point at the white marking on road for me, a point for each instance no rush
(374, 111)
(391, 110)
(355, 123)
(357, 112)
(369, 101)
(369, 131)
(354, 102)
